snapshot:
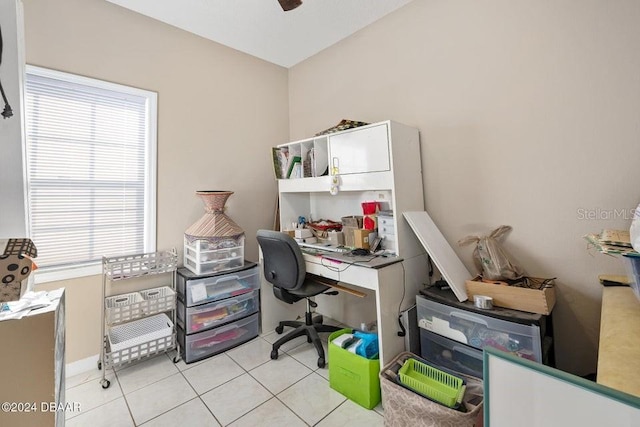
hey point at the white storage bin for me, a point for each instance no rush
(123, 307)
(450, 354)
(217, 287)
(480, 331)
(204, 344)
(207, 316)
(204, 256)
(128, 266)
(158, 300)
(143, 337)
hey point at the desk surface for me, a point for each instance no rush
(369, 261)
(619, 349)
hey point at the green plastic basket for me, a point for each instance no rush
(432, 383)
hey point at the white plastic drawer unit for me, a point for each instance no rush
(203, 257)
(480, 331)
(450, 354)
(385, 221)
(215, 288)
(204, 344)
(206, 316)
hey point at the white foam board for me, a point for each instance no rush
(443, 256)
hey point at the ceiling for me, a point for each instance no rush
(262, 29)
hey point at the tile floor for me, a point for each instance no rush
(241, 387)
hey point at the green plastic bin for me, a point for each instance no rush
(433, 383)
(354, 376)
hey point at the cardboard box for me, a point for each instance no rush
(349, 225)
(539, 301)
(353, 221)
(349, 236)
(15, 266)
(361, 238)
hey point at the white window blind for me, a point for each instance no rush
(90, 168)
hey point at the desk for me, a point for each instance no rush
(619, 348)
(385, 282)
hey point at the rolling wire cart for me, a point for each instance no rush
(137, 325)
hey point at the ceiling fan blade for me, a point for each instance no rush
(288, 5)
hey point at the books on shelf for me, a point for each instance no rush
(280, 157)
(294, 169)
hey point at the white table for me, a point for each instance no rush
(386, 283)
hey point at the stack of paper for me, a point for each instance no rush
(612, 242)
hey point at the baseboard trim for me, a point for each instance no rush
(81, 366)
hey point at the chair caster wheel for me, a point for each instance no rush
(106, 384)
(176, 359)
(274, 354)
(321, 362)
(279, 329)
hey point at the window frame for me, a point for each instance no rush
(92, 268)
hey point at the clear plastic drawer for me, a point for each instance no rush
(450, 354)
(479, 331)
(207, 316)
(215, 288)
(204, 344)
(203, 257)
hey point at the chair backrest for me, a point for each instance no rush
(283, 263)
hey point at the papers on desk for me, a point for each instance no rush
(612, 242)
(30, 304)
(371, 261)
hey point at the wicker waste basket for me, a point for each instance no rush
(403, 407)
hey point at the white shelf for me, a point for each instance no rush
(131, 266)
(135, 305)
(370, 181)
(378, 162)
(140, 324)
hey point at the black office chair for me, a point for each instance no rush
(284, 268)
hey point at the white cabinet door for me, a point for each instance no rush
(359, 151)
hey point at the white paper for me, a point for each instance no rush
(31, 303)
(198, 292)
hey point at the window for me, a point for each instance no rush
(91, 159)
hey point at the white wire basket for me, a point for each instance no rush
(140, 338)
(123, 307)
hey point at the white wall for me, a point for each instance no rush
(12, 216)
(529, 116)
(219, 112)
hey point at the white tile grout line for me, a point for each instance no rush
(199, 395)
